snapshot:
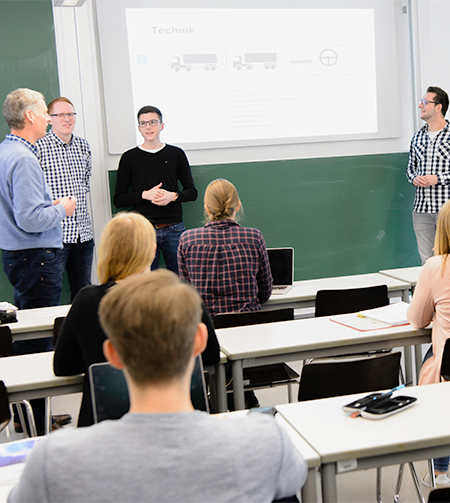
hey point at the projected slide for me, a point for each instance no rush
(232, 75)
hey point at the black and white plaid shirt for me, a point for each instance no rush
(67, 168)
(430, 157)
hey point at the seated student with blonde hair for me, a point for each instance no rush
(162, 450)
(127, 247)
(228, 264)
(431, 302)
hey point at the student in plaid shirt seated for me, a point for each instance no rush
(227, 263)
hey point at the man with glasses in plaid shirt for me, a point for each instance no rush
(66, 162)
(429, 168)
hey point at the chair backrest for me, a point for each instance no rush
(445, 365)
(336, 377)
(109, 390)
(5, 412)
(441, 495)
(6, 346)
(57, 324)
(352, 300)
(228, 320)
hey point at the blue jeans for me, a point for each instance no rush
(440, 464)
(76, 259)
(35, 275)
(425, 230)
(167, 242)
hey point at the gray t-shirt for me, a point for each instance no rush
(177, 457)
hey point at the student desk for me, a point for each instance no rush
(255, 345)
(36, 323)
(303, 293)
(346, 444)
(31, 376)
(408, 274)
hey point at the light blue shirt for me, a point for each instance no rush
(28, 218)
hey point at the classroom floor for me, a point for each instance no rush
(354, 487)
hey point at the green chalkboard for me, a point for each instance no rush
(342, 215)
(27, 59)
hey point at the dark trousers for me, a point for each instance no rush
(76, 259)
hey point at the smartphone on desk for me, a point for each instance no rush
(360, 403)
(387, 407)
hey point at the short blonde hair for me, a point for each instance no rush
(152, 320)
(17, 103)
(442, 238)
(127, 247)
(221, 200)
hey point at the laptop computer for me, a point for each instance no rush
(109, 390)
(282, 266)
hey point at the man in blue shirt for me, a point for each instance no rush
(30, 222)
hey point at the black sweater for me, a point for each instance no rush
(80, 343)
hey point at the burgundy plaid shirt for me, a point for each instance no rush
(228, 265)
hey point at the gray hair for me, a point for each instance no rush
(17, 103)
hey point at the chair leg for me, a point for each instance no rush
(432, 474)
(22, 419)
(48, 415)
(379, 500)
(398, 485)
(30, 416)
(416, 482)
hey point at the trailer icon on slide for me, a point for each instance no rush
(268, 60)
(188, 61)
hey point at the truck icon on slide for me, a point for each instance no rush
(189, 61)
(268, 60)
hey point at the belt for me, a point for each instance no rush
(163, 226)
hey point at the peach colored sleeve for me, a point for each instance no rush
(420, 312)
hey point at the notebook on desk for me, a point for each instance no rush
(282, 266)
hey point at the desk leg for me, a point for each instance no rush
(238, 384)
(48, 415)
(329, 486)
(221, 388)
(418, 356)
(405, 296)
(408, 365)
(309, 491)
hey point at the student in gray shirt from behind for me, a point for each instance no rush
(162, 450)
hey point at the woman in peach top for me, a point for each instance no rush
(431, 302)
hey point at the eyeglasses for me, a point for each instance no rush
(60, 116)
(150, 123)
(425, 102)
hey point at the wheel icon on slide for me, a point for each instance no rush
(328, 57)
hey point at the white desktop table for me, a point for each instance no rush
(346, 444)
(31, 376)
(408, 274)
(303, 293)
(36, 323)
(284, 341)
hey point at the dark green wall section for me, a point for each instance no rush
(27, 59)
(343, 215)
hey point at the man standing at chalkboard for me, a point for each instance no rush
(429, 168)
(152, 172)
(66, 162)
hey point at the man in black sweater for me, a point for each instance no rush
(152, 171)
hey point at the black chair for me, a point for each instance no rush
(265, 376)
(57, 324)
(441, 495)
(344, 376)
(445, 364)
(6, 350)
(5, 412)
(352, 300)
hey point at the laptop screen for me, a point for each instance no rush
(282, 265)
